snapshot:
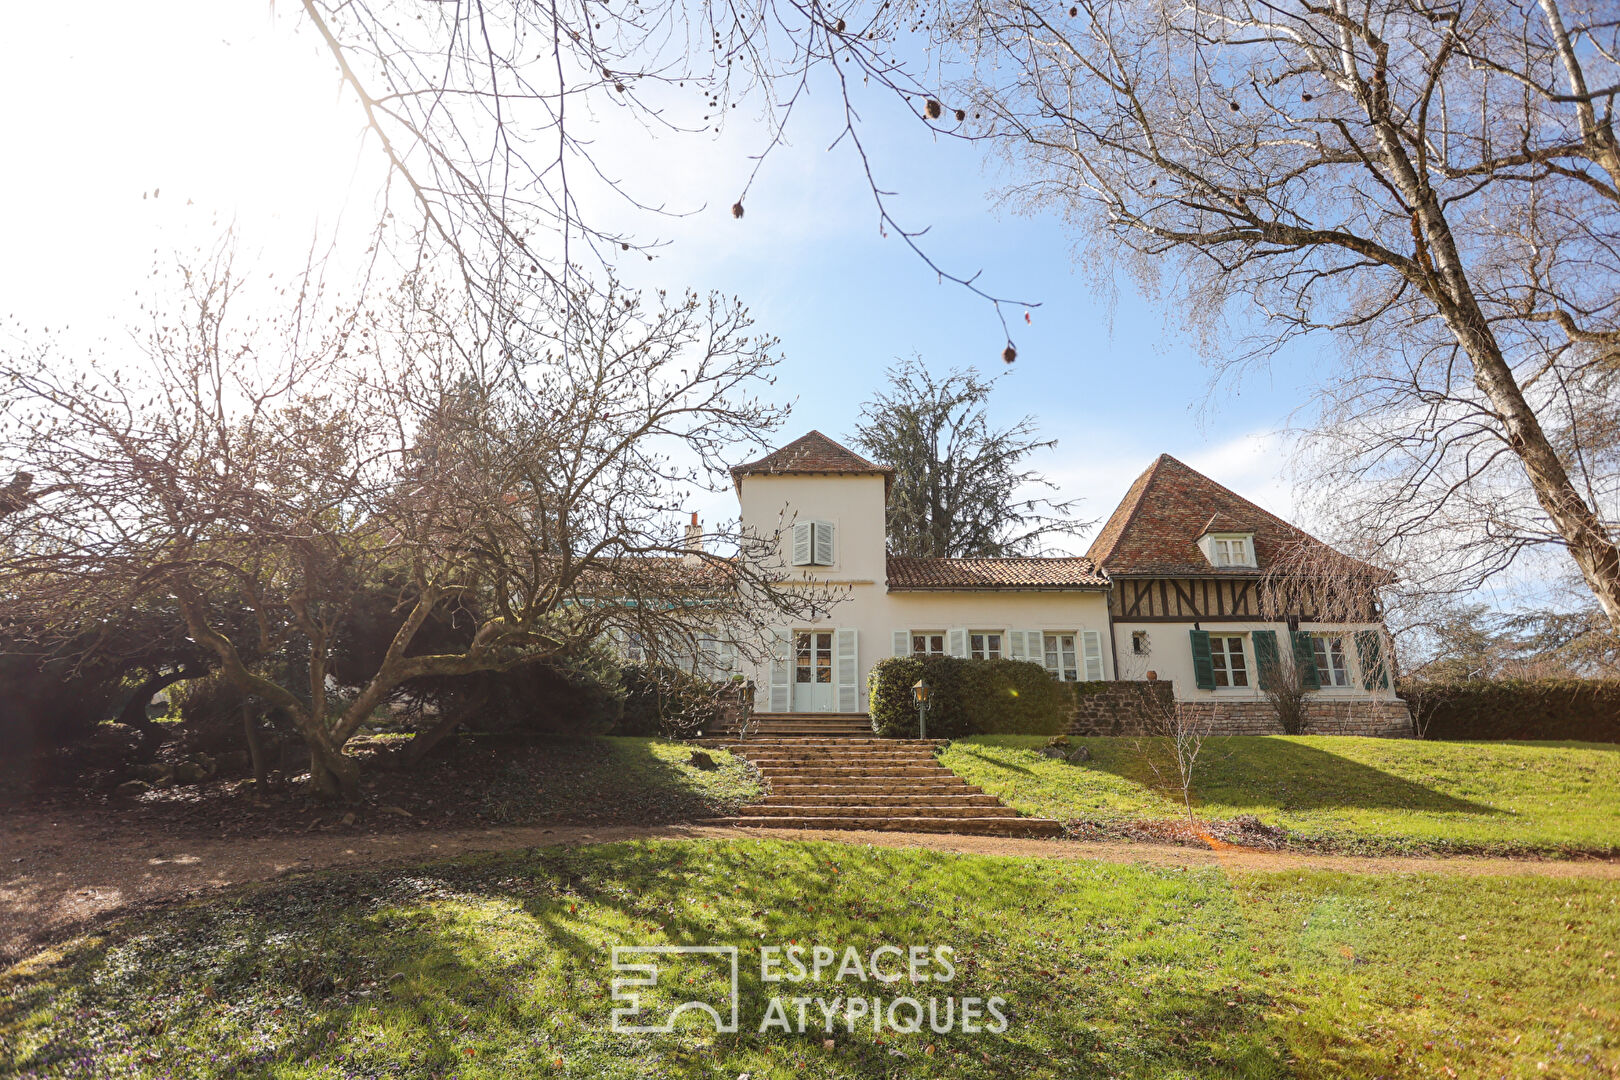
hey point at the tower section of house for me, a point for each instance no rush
(1210, 590)
(825, 507)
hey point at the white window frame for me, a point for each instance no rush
(986, 639)
(1322, 649)
(929, 637)
(810, 657)
(1062, 666)
(1220, 660)
(1229, 549)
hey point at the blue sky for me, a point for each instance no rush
(231, 119)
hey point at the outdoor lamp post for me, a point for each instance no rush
(919, 693)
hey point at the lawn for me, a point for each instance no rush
(498, 967)
(1339, 793)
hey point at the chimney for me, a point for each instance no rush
(694, 535)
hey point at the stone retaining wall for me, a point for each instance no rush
(1128, 708)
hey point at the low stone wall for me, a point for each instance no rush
(1117, 708)
(1131, 708)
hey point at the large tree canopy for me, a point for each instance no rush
(1435, 186)
(962, 487)
(263, 478)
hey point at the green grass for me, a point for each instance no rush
(1339, 793)
(498, 967)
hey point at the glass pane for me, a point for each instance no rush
(919, 644)
(823, 667)
(1051, 652)
(936, 643)
(824, 642)
(1234, 659)
(994, 650)
(976, 645)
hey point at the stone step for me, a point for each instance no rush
(852, 772)
(788, 761)
(877, 798)
(795, 810)
(953, 786)
(981, 826)
(836, 742)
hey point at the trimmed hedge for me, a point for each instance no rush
(970, 697)
(1586, 710)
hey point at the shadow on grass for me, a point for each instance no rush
(1267, 772)
(498, 966)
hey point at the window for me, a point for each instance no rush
(927, 643)
(1060, 658)
(1232, 549)
(1331, 666)
(812, 653)
(813, 544)
(985, 644)
(1139, 642)
(1226, 655)
(635, 648)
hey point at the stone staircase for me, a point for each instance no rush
(824, 780)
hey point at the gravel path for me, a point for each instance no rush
(59, 874)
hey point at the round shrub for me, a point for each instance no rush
(969, 697)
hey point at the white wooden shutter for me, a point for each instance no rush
(1015, 645)
(902, 643)
(779, 699)
(957, 642)
(1036, 643)
(847, 670)
(708, 658)
(728, 659)
(1091, 646)
(824, 545)
(801, 543)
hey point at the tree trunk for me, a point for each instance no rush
(255, 745)
(333, 775)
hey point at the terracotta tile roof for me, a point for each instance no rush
(908, 573)
(1155, 529)
(813, 453)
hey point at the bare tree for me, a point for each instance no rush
(962, 487)
(495, 119)
(512, 489)
(1437, 186)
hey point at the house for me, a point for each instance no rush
(1182, 586)
(1207, 588)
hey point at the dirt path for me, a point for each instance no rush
(58, 875)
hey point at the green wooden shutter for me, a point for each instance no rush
(1266, 660)
(1305, 659)
(1203, 667)
(1370, 650)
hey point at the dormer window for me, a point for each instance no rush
(814, 543)
(1228, 549)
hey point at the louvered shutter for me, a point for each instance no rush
(846, 659)
(902, 643)
(1035, 641)
(1015, 645)
(1370, 651)
(1091, 646)
(780, 699)
(801, 543)
(1305, 659)
(956, 642)
(824, 543)
(1266, 658)
(1203, 666)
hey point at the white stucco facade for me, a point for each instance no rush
(876, 618)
